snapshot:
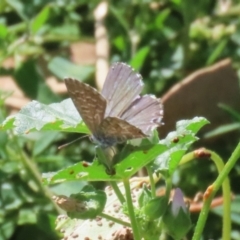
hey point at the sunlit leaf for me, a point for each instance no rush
(130, 164)
(3, 31)
(178, 143)
(40, 19)
(37, 116)
(83, 205)
(138, 60)
(62, 68)
(95, 228)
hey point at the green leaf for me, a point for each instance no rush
(19, 7)
(31, 82)
(28, 78)
(120, 43)
(217, 52)
(120, 18)
(79, 171)
(51, 158)
(26, 216)
(95, 228)
(137, 158)
(46, 222)
(194, 125)
(232, 112)
(68, 31)
(8, 227)
(138, 60)
(155, 208)
(40, 19)
(223, 129)
(145, 196)
(3, 31)
(68, 188)
(161, 18)
(8, 123)
(11, 196)
(36, 116)
(63, 68)
(167, 162)
(45, 94)
(105, 159)
(86, 204)
(177, 143)
(44, 141)
(177, 226)
(3, 139)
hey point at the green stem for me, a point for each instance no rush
(117, 192)
(60, 225)
(187, 158)
(16, 28)
(131, 213)
(168, 187)
(34, 173)
(107, 162)
(152, 182)
(226, 230)
(215, 187)
(102, 158)
(106, 216)
(186, 29)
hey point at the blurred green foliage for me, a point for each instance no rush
(165, 40)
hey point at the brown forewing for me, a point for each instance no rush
(90, 104)
(120, 130)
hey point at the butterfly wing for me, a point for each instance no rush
(115, 130)
(90, 104)
(120, 88)
(145, 112)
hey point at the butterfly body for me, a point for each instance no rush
(118, 113)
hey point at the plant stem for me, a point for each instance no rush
(106, 216)
(168, 187)
(185, 32)
(107, 162)
(226, 230)
(33, 171)
(131, 213)
(117, 192)
(187, 158)
(102, 158)
(214, 188)
(152, 182)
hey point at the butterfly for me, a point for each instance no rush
(118, 113)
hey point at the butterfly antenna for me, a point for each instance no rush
(67, 144)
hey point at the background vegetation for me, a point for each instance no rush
(164, 40)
